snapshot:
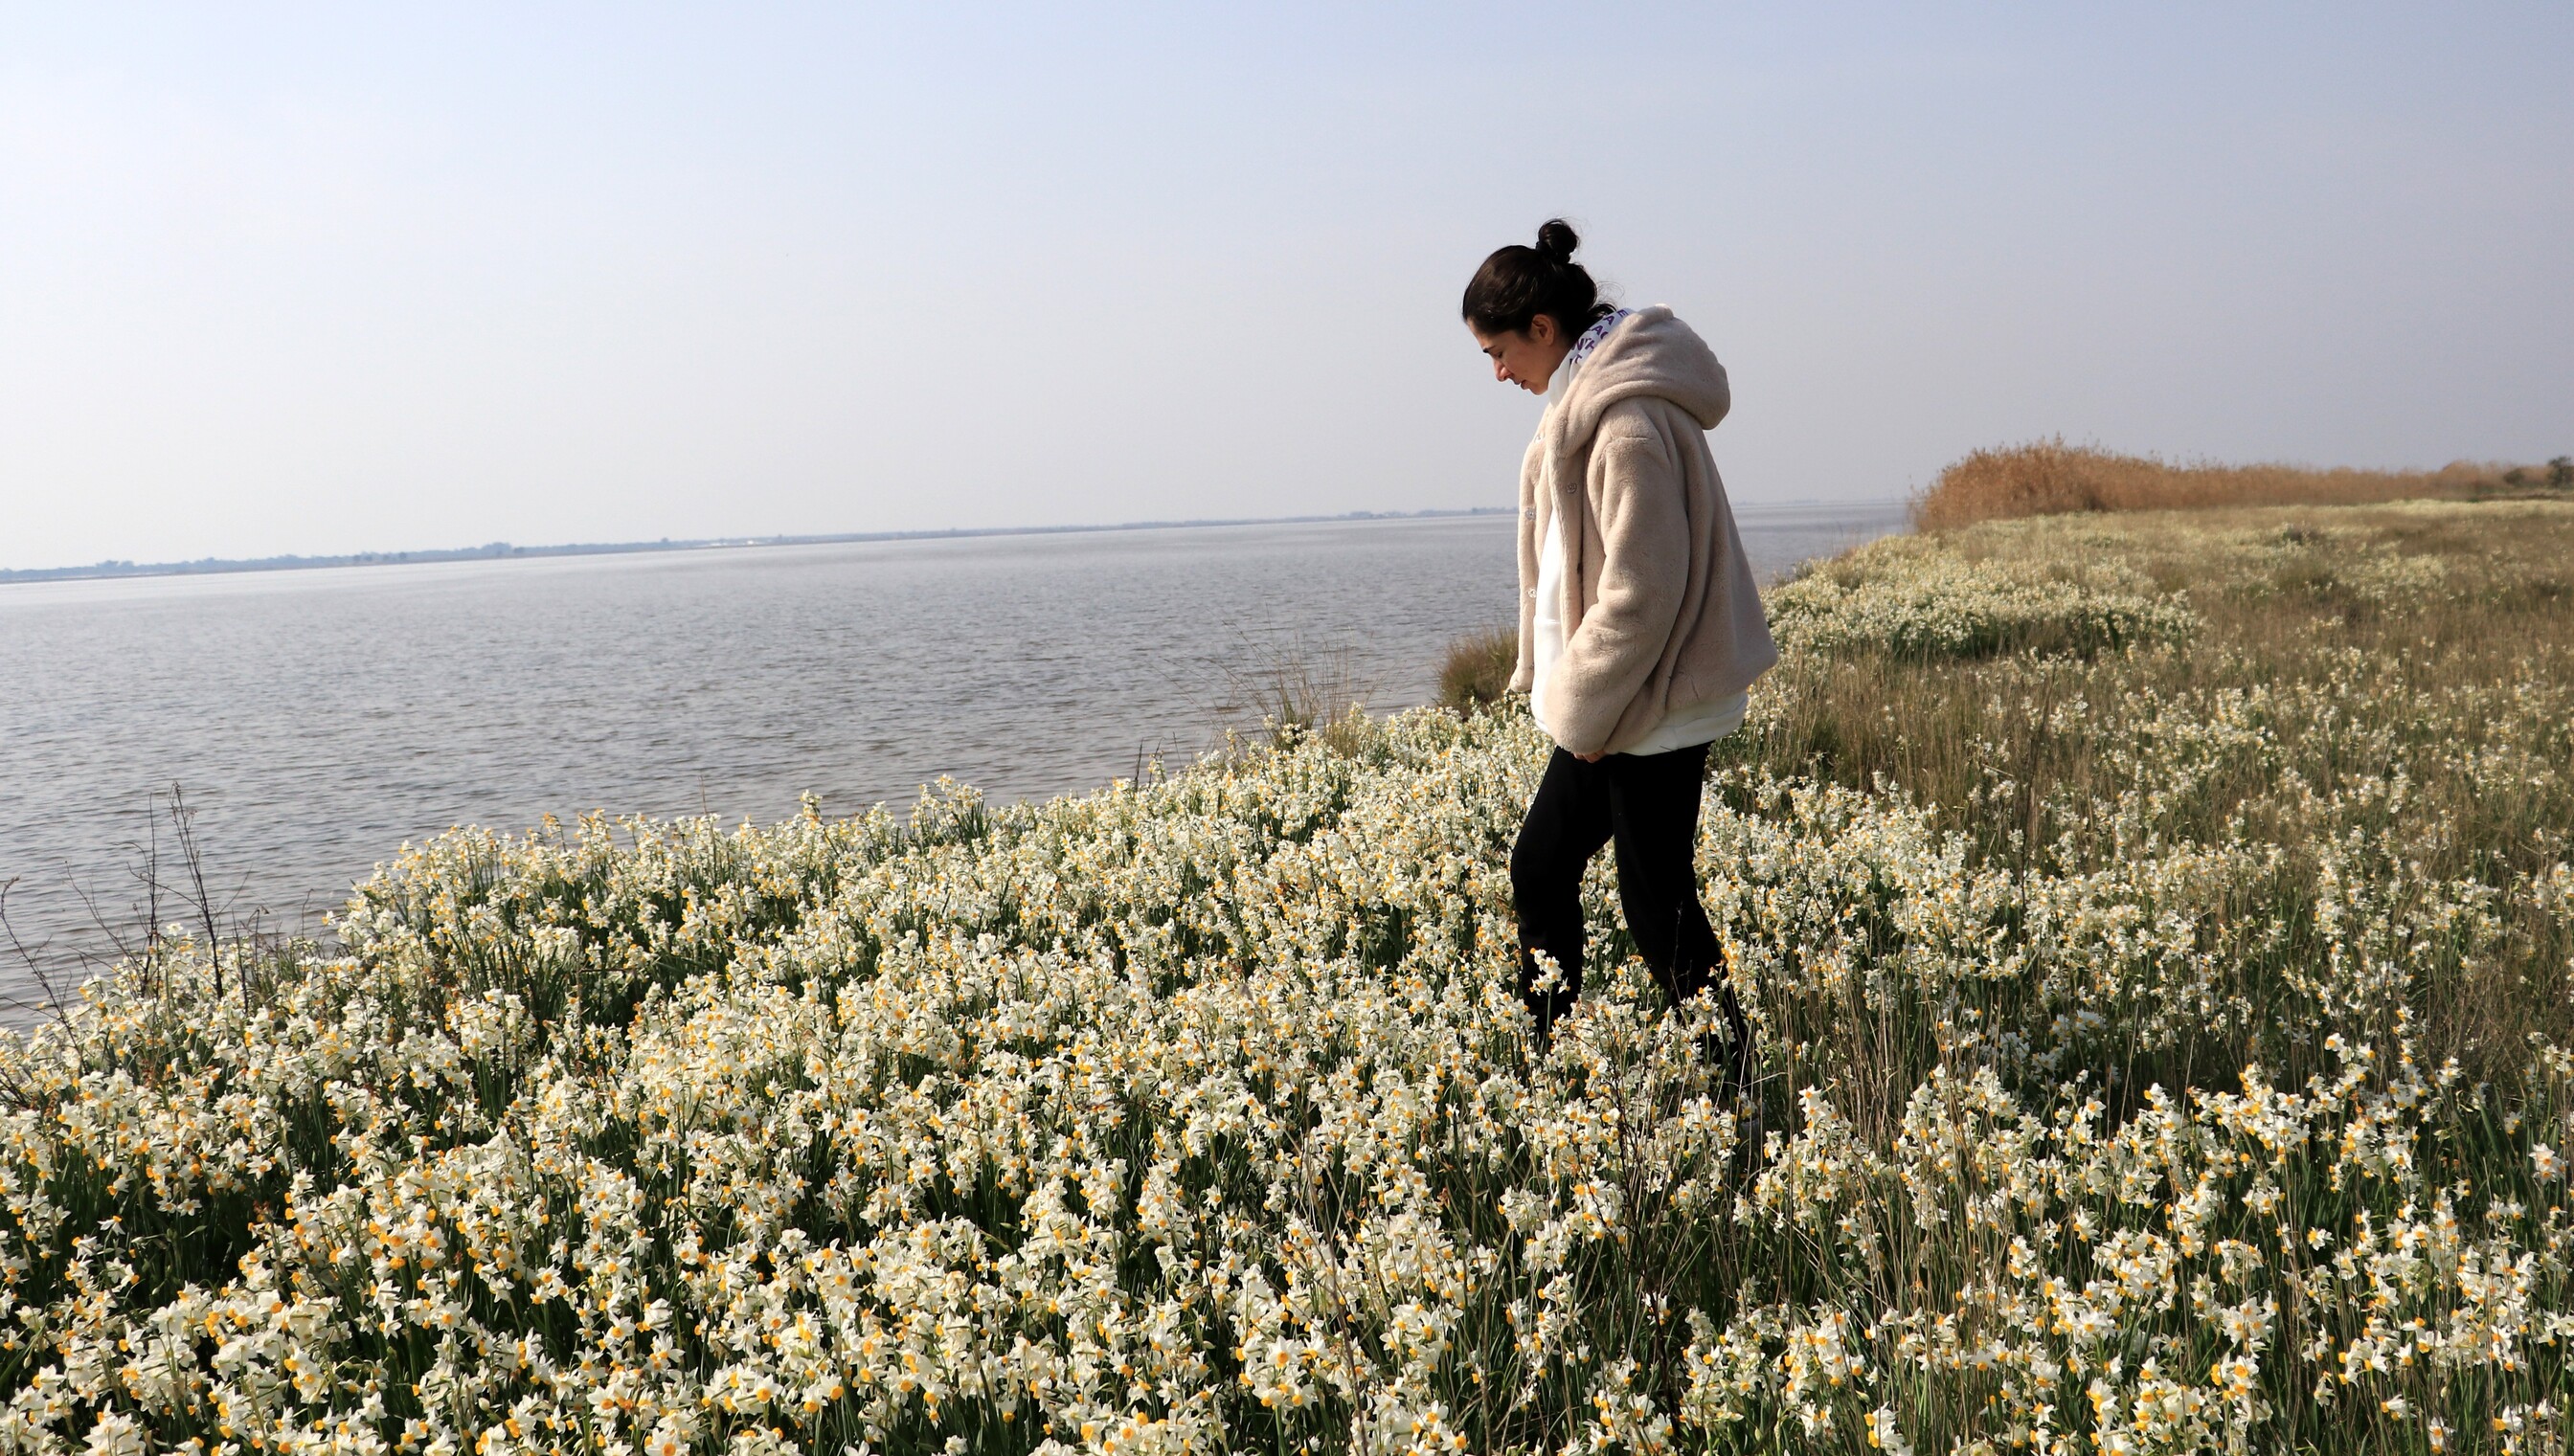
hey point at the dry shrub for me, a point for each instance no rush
(1478, 671)
(1293, 689)
(2050, 477)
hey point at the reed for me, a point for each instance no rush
(2050, 477)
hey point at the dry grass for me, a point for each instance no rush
(1278, 692)
(1477, 673)
(2050, 477)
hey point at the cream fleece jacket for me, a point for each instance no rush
(1663, 614)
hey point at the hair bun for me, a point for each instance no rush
(1557, 240)
(1517, 283)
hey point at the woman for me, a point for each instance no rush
(1640, 625)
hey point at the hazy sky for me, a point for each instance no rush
(347, 277)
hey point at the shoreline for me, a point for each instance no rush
(406, 762)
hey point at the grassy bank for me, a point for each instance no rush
(2159, 926)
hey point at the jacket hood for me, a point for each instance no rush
(1649, 355)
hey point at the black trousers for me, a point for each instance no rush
(1647, 806)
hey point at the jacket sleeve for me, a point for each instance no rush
(1637, 499)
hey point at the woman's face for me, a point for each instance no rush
(1526, 358)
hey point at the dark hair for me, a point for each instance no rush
(1517, 283)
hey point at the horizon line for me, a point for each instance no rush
(503, 551)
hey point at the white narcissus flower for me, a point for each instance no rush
(1201, 1113)
(1885, 1435)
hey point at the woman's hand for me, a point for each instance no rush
(1592, 757)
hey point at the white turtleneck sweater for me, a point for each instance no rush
(1705, 723)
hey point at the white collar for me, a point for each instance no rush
(1581, 350)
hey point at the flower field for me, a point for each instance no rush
(2159, 927)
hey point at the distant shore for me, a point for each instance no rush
(502, 550)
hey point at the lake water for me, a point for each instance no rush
(318, 720)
